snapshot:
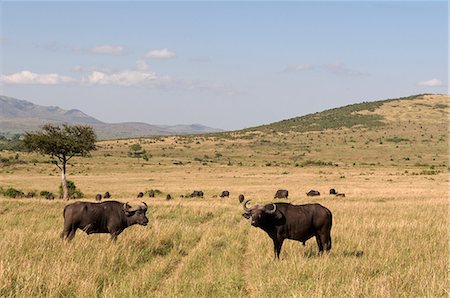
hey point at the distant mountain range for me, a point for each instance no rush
(18, 116)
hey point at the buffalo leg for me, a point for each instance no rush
(114, 235)
(326, 240)
(319, 244)
(71, 234)
(277, 244)
(68, 232)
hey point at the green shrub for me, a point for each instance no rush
(13, 193)
(44, 193)
(74, 193)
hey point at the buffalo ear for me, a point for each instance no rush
(127, 207)
(278, 214)
(246, 215)
(129, 213)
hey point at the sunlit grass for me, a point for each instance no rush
(390, 232)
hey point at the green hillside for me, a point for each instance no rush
(346, 116)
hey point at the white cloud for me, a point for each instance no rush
(126, 78)
(26, 77)
(431, 83)
(108, 50)
(139, 76)
(298, 67)
(161, 54)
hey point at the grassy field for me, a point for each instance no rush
(390, 232)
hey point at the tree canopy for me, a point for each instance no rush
(62, 142)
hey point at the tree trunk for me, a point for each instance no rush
(64, 180)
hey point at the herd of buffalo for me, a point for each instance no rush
(279, 220)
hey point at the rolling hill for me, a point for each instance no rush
(18, 116)
(409, 131)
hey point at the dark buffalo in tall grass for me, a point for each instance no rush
(225, 194)
(241, 198)
(281, 194)
(197, 194)
(296, 222)
(107, 217)
(313, 193)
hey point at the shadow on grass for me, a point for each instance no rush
(353, 253)
(314, 253)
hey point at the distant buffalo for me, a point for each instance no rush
(224, 194)
(296, 222)
(333, 191)
(140, 195)
(107, 217)
(241, 198)
(197, 194)
(151, 194)
(98, 197)
(281, 194)
(168, 197)
(30, 194)
(50, 196)
(106, 195)
(313, 193)
(340, 195)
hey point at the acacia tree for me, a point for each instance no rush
(62, 142)
(136, 148)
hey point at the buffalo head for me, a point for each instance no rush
(260, 215)
(136, 214)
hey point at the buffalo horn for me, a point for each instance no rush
(144, 205)
(246, 209)
(129, 208)
(126, 207)
(273, 210)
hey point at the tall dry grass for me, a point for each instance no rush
(390, 232)
(389, 247)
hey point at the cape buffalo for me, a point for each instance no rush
(197, 193)
(281, 194)
(168, 197)
(296, 222)
(107, 217)
(98, 197)
(340, 195)
(224, 194)
(140, 195)
(241, 198)
(106, 195)
(333, 191)
(313, 193)
(151, 194)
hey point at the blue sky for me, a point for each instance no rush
(228, 65)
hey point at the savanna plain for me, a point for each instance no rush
(390, 231)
